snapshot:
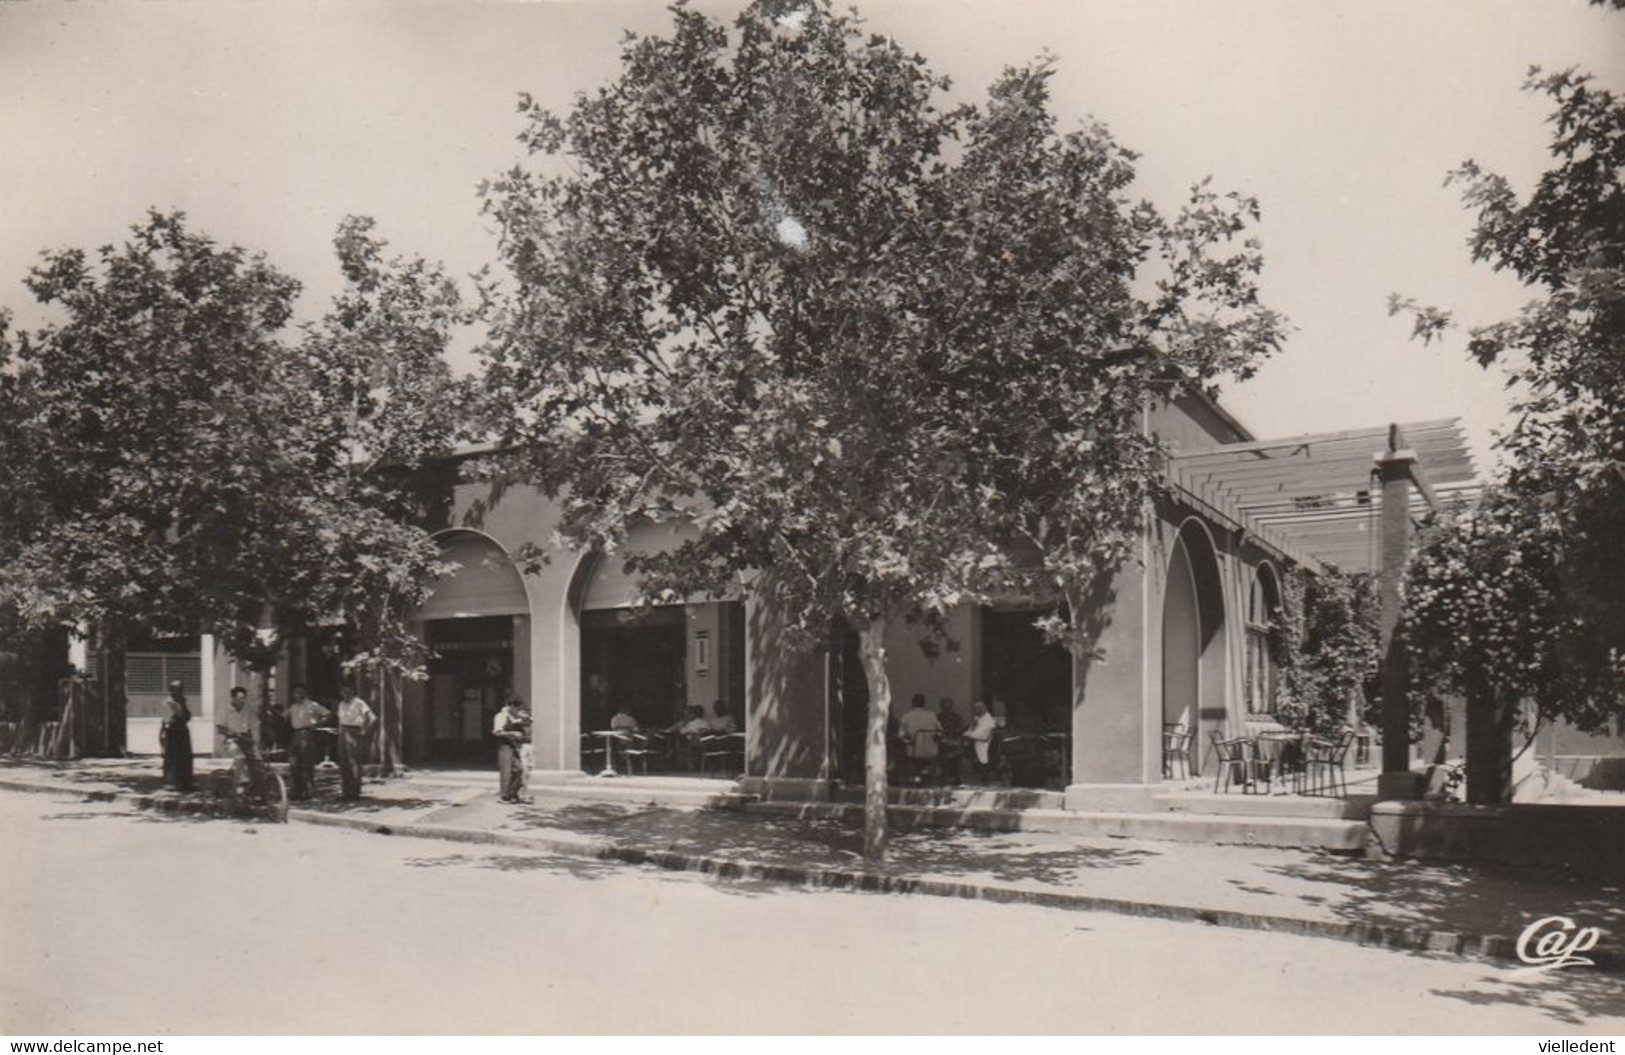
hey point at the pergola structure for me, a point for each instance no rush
(1349, 499)
(1320, 496)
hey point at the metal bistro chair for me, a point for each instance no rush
(1324, 765)
(725, 750)
(1237, 764)
(1176, 751)
(592, 751)
(635, 751)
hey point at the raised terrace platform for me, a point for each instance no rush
(1185, 815)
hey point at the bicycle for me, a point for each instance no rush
(264, 790)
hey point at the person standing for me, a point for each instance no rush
(920, 730)
(175, 740)
(511, 727)
(305, 719)
(981, 733)
(235, 725)
(356, 720)
(70, 729)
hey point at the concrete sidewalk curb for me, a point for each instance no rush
(1388, 936)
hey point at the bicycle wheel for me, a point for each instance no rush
(277, 797)
(273, 792)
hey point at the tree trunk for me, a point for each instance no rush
(260, 693)
(872, 652)
(390, 723)
(1489, 748)
(106, 735)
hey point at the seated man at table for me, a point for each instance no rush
(722, 721)
(686, 733)
(692, 723)
(623, 722)
(919, 728)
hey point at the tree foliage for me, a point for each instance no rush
(1559, 511)
(887, 352)
(186, 467)
(1490, 619)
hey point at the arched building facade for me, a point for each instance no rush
(568, 635)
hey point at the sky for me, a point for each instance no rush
(267, 123)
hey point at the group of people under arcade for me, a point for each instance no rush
(683, 737)
(942, 743)
(305, 728)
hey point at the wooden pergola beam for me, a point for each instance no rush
(1377, 436)
(1344, 467)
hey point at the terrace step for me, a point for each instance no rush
(963, 798)
(1353, 808)
(677, 792)
(1318, 833)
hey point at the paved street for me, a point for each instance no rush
(124, 923)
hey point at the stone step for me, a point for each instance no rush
(1291, 832)
(1352, 808)
(639, 791)
(963, 798)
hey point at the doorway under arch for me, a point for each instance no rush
(657, 665)
(475, 624)
(1194, 640)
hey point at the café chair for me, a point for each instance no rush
(1237, 764)
(636, 751)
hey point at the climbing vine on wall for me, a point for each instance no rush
(1326, 638)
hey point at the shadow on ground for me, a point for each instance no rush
(550, 864)
(825, 843)
(1480, 898)
(1571, 995)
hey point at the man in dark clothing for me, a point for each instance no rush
(175, 740)
(953, 743)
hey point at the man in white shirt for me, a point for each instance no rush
(721, 721)
(355, 722)
(696, 724)
(236, 722)
(980, 736)
(511, 727)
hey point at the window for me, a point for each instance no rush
(1260, 673)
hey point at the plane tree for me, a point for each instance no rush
(886, 351)
(1525, 598)
(177, 459)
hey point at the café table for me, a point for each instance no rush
(1284, 750)
(610, 736)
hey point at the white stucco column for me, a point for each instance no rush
(206, 647)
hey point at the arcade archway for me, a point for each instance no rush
(1194, 640)
(475, 626)
(673, 674)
